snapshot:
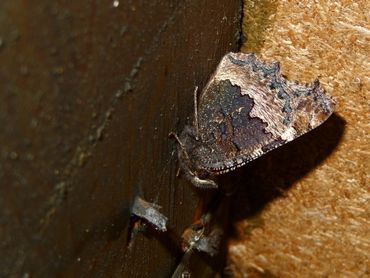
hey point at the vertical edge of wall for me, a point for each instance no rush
(88, 93)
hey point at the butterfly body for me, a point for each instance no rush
(247, 109)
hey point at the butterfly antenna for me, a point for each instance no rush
(196, 124)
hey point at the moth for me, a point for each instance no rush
(246, 109)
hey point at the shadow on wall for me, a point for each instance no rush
(270, 176)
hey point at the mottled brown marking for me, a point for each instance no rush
(247, 109)
(303, 104)
(301, 122)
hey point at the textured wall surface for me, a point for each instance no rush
(89, 91)
(304, 209)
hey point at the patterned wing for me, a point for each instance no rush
(247, 109)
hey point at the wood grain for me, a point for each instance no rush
(89, 91)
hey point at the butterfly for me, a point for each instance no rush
(246, 109)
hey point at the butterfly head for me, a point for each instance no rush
(191, 153)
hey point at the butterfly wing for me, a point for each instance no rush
(247, 109)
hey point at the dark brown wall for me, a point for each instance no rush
(88, 94)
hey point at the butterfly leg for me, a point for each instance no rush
(198, 182)
(174, 135)
(182, 146)
(203, 183)
(196, 123)
(178, 171)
